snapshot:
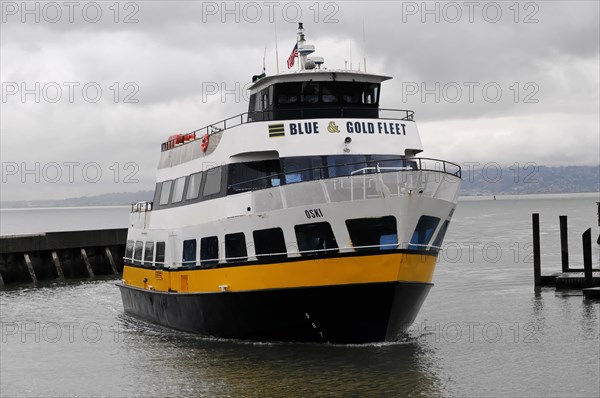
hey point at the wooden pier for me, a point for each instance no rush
(586, 278)
(61, 255)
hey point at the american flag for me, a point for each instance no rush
(292, 57)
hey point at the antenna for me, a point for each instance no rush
(364, 47)
(276, 49)
(264, 55)
(350, 56)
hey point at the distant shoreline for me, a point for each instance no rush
(541, 195)
(68, 203)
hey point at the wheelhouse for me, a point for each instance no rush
(315, 94)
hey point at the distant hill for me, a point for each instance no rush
(488, 181)
(530, 179)
(107, 199)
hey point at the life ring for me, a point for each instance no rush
(204, 143)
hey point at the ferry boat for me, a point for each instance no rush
(309, 218)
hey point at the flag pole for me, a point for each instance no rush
(300, 39)
(276, 48)
(364, 47)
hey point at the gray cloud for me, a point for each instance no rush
(175, 53)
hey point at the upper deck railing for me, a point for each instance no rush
(360, 168)
(288, 114)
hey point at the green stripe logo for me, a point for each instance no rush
(276, 130)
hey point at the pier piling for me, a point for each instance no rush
(111, 260)
(30, 267)
(537, 268)
(587, 256)
(570, 278)
(598, 204)
(87, 262)
(56, 261)
(564, 243)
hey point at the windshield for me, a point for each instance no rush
(325, 93)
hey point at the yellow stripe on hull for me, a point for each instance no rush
(387, 267)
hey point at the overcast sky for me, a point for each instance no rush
(505, 83)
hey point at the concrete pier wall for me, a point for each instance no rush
(61, 255)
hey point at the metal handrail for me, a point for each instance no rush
(379, 169)
(142, 207)
(143, 262)
(250, 118)
(412, 164)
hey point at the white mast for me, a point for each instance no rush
(300, 43)
(303, 49)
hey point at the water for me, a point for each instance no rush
(483, 331)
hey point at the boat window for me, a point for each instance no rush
(209, 250)
(129, 250)
(264, 98)
(350, 96)
(253, 175)
(391, 163)
(165, 192)
(328, 93)
(345, 165)
(377, 233)
(157, 192)
(178, 190)
(137, 252)
(160, 253)
(269, 244)
(370, 93)
(250, 176)
(288, 93)
(439, 239)
(305, 168)
(252, 115)
(423, 233)
(235, 247)
(148, 253)
(315, 239)
(212, 186)
(355, 93)
(193, 189)
(189, 252)
(310, 93)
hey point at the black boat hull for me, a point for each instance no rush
(340, 314)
